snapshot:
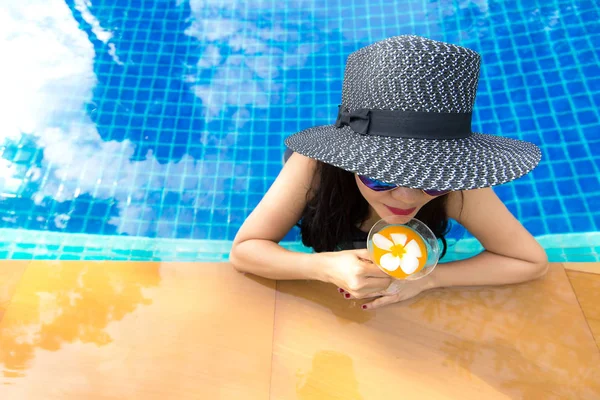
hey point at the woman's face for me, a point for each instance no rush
(403, 202)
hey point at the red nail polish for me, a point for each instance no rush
(364, 307)
(347, 295)
(340, 290)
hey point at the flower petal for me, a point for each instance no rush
(409, 264)
(399, 238)
(413, 249)
(389, 262)
(382, 242)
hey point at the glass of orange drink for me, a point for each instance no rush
(406, 251)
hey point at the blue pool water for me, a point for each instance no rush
(150, 129)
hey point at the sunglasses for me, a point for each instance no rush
(379, 186)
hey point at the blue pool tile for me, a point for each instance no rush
(589, 184)
(547, 64)
(506, 56)
(576, 151)
(571, 74)
(259, 140)
(542, 171)
(254, 199)
(293, 235)
(238, 200)
(19, 255)
(592, 133)
(527, 125)
(558, 224)
(575, 31)
(518, 95)
(575, 88)
(517, 29)
(584, 167)
(524, 111)
(566, 121)
(551, 76)
(594, 147)
(485, 114)
(552, 207)
(504, 113)
(546, 123)
(512, 70)
(530, 209)
(533, 79)
(537, 92)
(541, 106)
(505, 191)
(592, 70)
(528, 66)
(560, 105)
(555, 154)
(567, 187)
(596, 218)
(581, 223)
(582, 101)
(574, 205)
(220, 232)
(532, 136)
(524, 191)
(593, 201)
(557, 91)
(587, 117)
(143, 95)
(535, 227)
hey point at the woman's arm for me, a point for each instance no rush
(256, 249)
(511, 254)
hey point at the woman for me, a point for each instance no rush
(402, 144)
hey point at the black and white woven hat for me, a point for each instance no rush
(405, 118)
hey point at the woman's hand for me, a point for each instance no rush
(407, 290)
(355, 273)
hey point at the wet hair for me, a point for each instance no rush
(335, 207)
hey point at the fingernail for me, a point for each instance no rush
(347, 295)
(364, 307)
(340, 290)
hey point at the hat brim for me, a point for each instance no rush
(480, 160)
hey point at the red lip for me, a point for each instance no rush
(400, 211)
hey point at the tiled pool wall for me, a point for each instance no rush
(150, 130)
(36, 245)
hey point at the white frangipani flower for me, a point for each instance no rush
(398, 252)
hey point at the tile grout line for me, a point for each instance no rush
(577, 267)
(9, 302)
(581, 308)
(273, 338)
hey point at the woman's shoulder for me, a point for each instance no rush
(464, 202)
(282, 206)
(302, 168)
(298, 159)
(454, 204)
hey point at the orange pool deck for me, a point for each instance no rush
(119, 330)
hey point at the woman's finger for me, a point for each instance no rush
(344, 293)
(376, 284)
(372, 287)
(380, 302)
(363, 254)
(373, 271)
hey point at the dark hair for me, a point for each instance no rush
(335, 207)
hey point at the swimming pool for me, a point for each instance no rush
(150, 131)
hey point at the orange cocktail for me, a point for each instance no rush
(399, 251)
